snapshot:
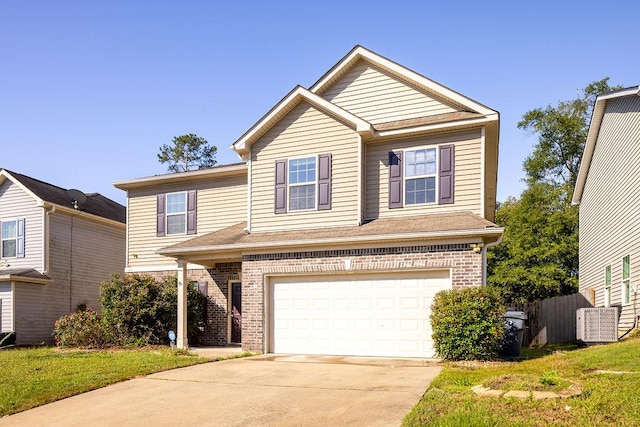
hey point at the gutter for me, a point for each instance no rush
(497, 231)
(484, 258)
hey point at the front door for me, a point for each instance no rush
(236, 312)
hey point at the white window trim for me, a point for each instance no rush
(625, 283)
(167, 214)
(2, 239)
(289, 185)
(607, 289)
(405, 178)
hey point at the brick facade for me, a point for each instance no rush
(215, 282)
(465, 266)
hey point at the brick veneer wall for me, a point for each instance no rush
(217, 280)
(465, 265)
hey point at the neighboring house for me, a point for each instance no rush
(56, 247)
(359, 199)
(608, 192)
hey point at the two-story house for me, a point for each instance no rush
(358, 200)
(608, 190)
(56, 246)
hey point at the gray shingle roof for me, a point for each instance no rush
(96, 203)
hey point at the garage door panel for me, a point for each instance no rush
(363, 315)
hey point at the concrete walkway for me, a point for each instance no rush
(256, 391)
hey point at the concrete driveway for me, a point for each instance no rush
(256, 391)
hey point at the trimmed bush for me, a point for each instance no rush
(468, 323)
(138, 309)
(83, 328)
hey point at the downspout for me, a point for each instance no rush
(360, 172)
(484, 258)
(248, 160)
(47, 239)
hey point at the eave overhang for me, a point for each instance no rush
(592, 137)
(181, 177)
(297, 95)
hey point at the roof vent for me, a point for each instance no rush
(77, 198)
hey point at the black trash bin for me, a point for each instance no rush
(514, 332)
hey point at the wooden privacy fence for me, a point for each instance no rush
(552, 320)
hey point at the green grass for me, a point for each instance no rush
(607, 399)
(31, 377)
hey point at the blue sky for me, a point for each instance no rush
(89, 90)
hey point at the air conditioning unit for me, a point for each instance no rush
(597, 324)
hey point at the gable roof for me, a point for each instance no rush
(403, 73)
(471, 112)
(43, 192)
(592, 136)
(293, 98)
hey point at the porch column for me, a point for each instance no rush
(183, 283)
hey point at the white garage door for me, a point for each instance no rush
(357, 315)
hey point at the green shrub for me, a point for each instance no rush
(139, 309)
(468, 323)
(84, 328)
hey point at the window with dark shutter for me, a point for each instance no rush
(446, 175)
(281, 187)
(191, 212)
(160, 214)
(324, 182)
(395, 180)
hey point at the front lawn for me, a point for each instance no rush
(31, 377)
(608, 375)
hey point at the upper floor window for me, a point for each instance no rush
(607, 286)
(421, 176)
(12, 239)
(303, 184)
(176, 213)
(626, 280)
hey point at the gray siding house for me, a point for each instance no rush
(56, 246)
(608, 192)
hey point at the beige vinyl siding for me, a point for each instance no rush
(378, 97)
(305, 131)
(15, 203)
(6, 307)
(610, 207)
(467, 183)
(220, 203)
(37, 309)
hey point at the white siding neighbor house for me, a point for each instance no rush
(608, 192)
(56, 247)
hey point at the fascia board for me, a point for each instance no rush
(89, 216)
(488, 232)
(437, 127)
(17, 182)
(219, 171)
(397, 69)
(293, 98)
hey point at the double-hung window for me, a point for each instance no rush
(302, 184)
(626, 280)
(420, 176)
(607, 286)
(9, 239)
(176, 213)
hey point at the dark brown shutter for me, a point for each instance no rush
(445, 175)
(160, 215)
(324, 182)
(191, 212)
(281, 187)
(395, 180)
